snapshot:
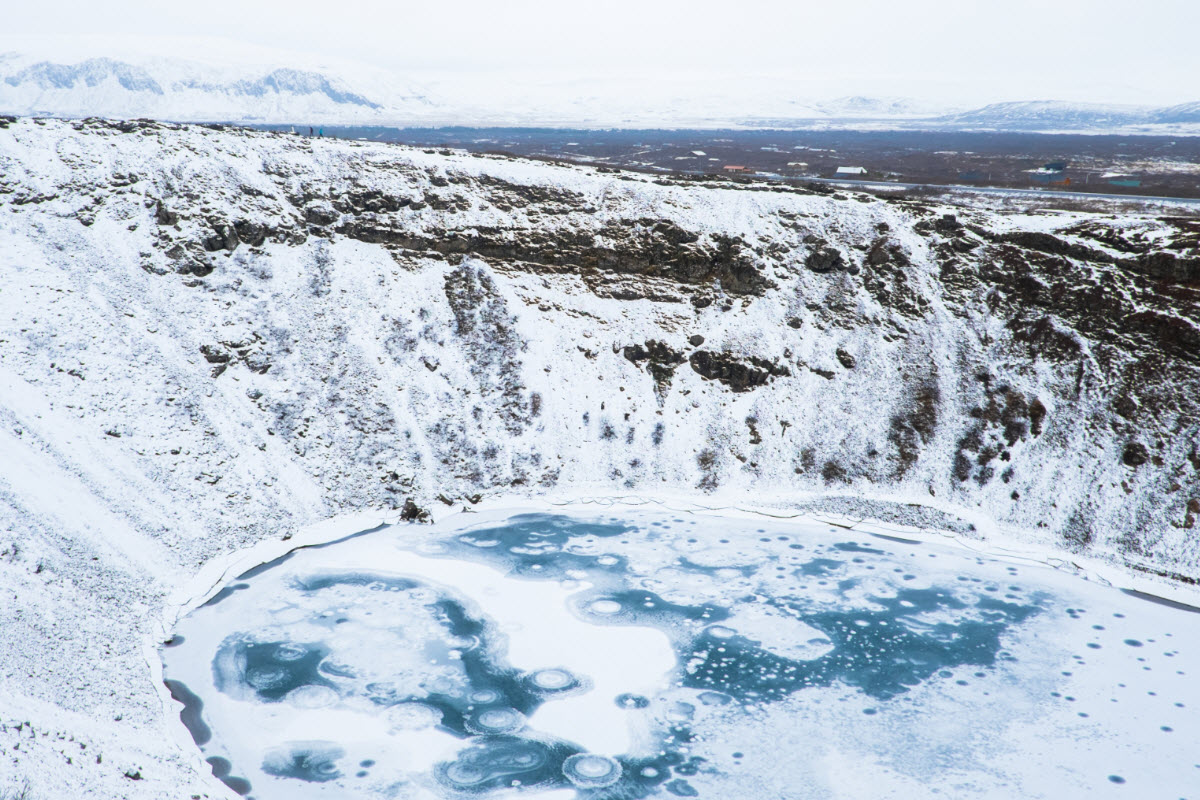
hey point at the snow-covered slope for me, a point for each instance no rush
(1185, 113)
(1050, 115)
(211, 337)
(1058, 117)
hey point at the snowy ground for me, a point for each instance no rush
(210, 339)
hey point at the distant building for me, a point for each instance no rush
(851, 170)
(738, 169)
(1051, 178)
(797, 163)
(1127, 182)
(1055, 166)
(699, 153)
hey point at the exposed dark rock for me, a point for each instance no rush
(214, 355)
(252, 233)
(886, 252)
(224, 237)
(1116, 238)
(1166, 266)
(411, 512)
(846, 359)
(706, 459)
(320, 215)
(947, 224)
(194, 266)
(1052, 303)
(662, 360)
(1014, 417)
(1005, 418)
(834, 472)
(367, 200)
(695, 340)
(1037, 415)
(1135, 455)
(739, 375)
(1126, 405)
(1046, 339)
(1048, 243)
(887, 269)
(914, 426)
(646, 248)
(164, 215)
(824, 258)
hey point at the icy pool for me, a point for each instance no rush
(641, 655)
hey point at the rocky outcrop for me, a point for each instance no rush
(654, 250)
(661, 360)
(823, 258)
(738, 373)
(1166, 266)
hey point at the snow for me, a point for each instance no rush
(128, 467)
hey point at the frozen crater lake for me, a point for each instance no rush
(638, 654)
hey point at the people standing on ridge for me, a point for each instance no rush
(320, 132)
(310, 131)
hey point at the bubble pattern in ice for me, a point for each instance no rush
(385, 683)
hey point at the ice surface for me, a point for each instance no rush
(658, 655)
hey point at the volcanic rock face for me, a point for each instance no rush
(211, 336)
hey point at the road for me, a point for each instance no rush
(884, 185)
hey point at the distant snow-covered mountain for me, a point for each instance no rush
(1180, 114)
(280, 92)
(1049, 115)
(185, 90)
(48, 76)
(219, 81)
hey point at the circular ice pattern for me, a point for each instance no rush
(589, 771)
(645, 655)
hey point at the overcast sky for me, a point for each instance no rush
(961, 51)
